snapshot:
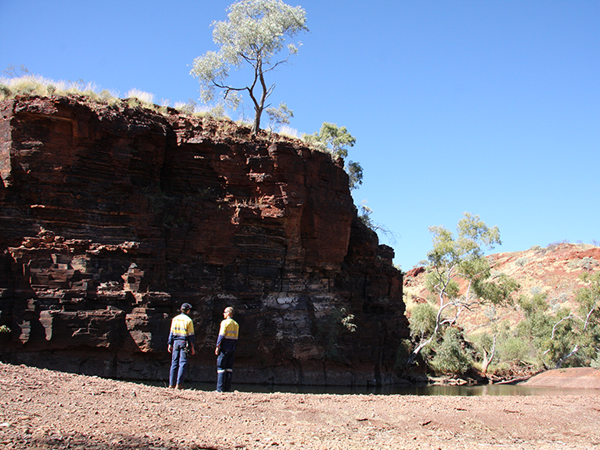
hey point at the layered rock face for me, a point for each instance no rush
(112, 216)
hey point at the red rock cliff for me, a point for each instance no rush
(112, 216)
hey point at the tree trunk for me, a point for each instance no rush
(487, 359)
(256, 123)
(417, 350)
(562, 360)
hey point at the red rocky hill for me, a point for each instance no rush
(554, 270)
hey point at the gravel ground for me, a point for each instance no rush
(42, 409)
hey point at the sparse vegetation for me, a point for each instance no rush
(586, 263)
(145, 97)
(339, 322)
(336, 140)
(279, 116)
(521, 261)
(37, 85)
(34, 85)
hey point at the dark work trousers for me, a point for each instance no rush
(225, 371)
(179, 359)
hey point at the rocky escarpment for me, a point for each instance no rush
(112, 216)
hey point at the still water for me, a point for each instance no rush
(493, 389)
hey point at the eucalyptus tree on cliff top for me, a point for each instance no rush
(255, 34)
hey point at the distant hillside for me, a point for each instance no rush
(553, 270)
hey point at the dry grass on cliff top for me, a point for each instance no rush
(34, 85)
(42, 409)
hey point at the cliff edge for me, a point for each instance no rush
(113, 215)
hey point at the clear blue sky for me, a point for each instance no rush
(490, 107)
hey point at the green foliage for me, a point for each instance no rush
(365, 216)
(188, 107)
(5, 91)
(336, 140)
(333, 138)
(595, 363)
(563, 337)
(402, 353)
(484, 343)
(346, 321)
(422, 320)
(4, 329)
(463, 258)
(515, 350)
(450, 356)
(279, 116)
(355, 172)
(339, 322)
(255, 32)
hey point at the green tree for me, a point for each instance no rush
(336, 140)
(450, 356)
(461, 258)
(422, 320)
(577, 334)
(333, 138)
(485, 343)
(254, 35)
(532, 338)
(563, 336)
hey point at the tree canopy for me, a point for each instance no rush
(254, 35)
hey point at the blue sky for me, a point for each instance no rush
(490, 107)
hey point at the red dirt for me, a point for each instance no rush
(575, 377)
(41, 409)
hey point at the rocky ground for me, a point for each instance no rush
(41, 409)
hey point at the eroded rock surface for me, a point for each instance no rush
(112, 216)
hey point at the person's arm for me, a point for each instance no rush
(191, 338)
(170, 340)
(220, 338)
(218, 347)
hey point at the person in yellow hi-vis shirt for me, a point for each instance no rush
(226, 342)
(181, 342)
